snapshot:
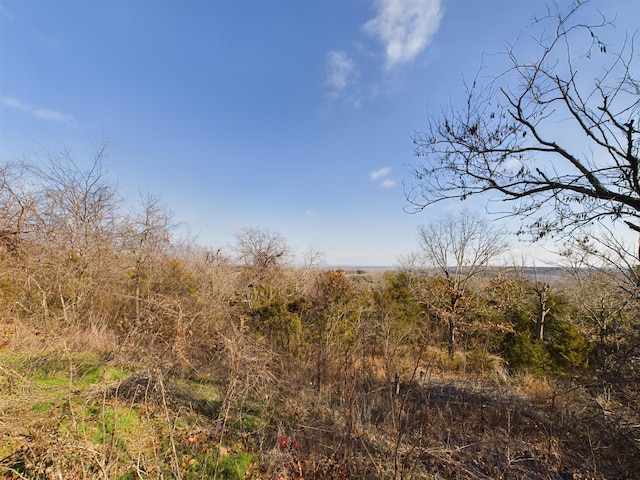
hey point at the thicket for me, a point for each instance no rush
(252, 367)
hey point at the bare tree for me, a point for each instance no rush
(147, 232)
(606, 288)
(459, 248)
(261, 248)
(75, 220)
(16, 206)
(77, 207)
(556, 134)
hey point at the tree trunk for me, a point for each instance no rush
(452, 336)
(544, 309)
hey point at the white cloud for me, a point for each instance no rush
(513, 164)
(341, 77)
(376, 174)
(14, 103)
(341, 70)
(405, 27)
(310, 213)
(39, 113)
(380, 174)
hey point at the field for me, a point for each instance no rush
(80, 404)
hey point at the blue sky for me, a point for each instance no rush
(290, 115)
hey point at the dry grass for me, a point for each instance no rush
(73, 412)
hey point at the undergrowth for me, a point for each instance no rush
(86, 414)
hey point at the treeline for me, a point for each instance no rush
(75, 254)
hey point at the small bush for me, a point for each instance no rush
(528, 354)
(568, 346)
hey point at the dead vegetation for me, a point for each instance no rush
(126, 354)
(79, 413)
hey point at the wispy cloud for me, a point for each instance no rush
(341, 77)
(383, 172)
(380, 174)
(311, 213)
(404, 27)
(39, 113)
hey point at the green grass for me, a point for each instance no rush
(238, 466)
(72, 399)
(42, 407)
(104, 423)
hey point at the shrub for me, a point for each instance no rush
(526, 353)
(568, 346)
